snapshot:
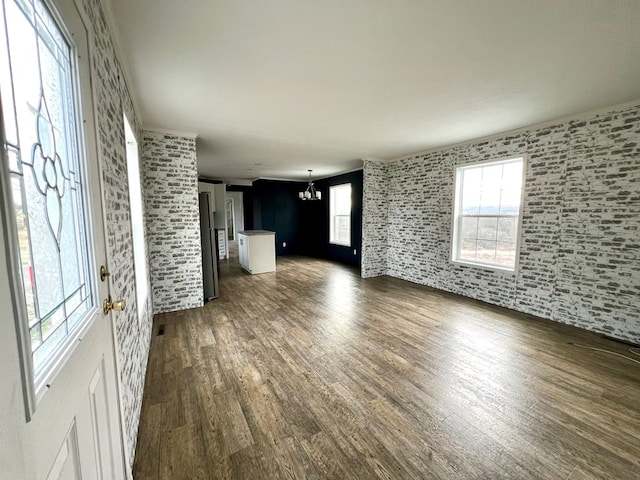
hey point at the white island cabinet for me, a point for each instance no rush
(257, 250)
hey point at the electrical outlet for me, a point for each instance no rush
(355, 252)
(284, 244)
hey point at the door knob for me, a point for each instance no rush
(109, 305)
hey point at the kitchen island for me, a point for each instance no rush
(257, 251)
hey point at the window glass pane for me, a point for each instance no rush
(506, 253)
(471, 188)
(341, 228)
(23, 51)
(487, 228)
(470, 227)
(492, 177)
(340, 214)
(42, 236)
(486, 251)
(343, 200)
(512, 173)
(137, 220)
(507, 229)
(35, 334)
(510, 201)
(488, 197)
(468, 249)
(472, 179)
(48, 194)
(490, 201)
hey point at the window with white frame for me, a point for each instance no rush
(137, 220)
(340, 214)
(487, 213)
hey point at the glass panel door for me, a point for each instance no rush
(40, 111)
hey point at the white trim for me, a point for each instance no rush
(64, 352)
(339, 244)
(94, 150)
(14, 269)
(210, 181)
(36, 386)
(338, 174)
(83, 100)
(455, 206)
(137, 268)
(454, 245)
(315, 179)
(281, 179)
(338, 186)
(114, 31)
(485, 266)
(164, 131)
(523, 187)
(612, 109)
(233, 217)
(488, 163)
(238, 182)
(249, 182)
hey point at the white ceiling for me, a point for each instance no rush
(275, 87)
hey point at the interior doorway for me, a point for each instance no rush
(234, 220)
(231, 221)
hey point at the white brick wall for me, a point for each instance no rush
(132, 336)
(173, 222)
(580, 249)
(374, 210)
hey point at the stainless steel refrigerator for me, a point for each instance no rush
(209, 248)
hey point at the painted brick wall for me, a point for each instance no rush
(374, 219)
(132, 334)
(580, 249)
(173, 221)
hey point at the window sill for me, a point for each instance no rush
(43, 381)
(485, 266)
(348, 245)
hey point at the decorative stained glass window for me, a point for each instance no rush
(40, 111)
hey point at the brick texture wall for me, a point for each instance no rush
(374, 211)
(132, 334)
(173, 222)
(580, 244)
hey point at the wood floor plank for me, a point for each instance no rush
(147, 461)
(313, 372)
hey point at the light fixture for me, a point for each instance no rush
(310, 193)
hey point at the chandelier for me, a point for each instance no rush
(310, 193)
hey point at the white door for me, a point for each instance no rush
(231, 231)
(52, 209)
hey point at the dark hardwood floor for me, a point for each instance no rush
(313, 372)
